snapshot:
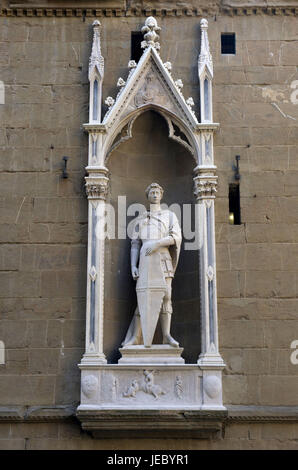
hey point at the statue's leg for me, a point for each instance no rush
(134, 331)
(166, 316)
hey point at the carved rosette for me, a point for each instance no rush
(97, 188)
(205, 187)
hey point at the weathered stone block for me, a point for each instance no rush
(235, 389)
(229, 283)
(261, 257)
(16, 362)
(36, 333)
(51, 308)
(44, 361)
(63, 283)
(279, 390)
(280, 334)
(269, 284)
(73, 333)
(10, 257)
(34, 430)
(54, 338)
(227, 233)
(13, 333)
(271, 233)
(242, 334)
(27, 390)
(12, 444)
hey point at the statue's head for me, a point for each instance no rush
(154, 193)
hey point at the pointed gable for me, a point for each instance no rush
(150, 83)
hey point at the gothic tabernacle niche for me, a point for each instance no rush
(128, 149)
(133, 166)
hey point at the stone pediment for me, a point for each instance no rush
(149, 82)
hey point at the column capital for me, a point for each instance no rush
(97, 187)
(205, 186)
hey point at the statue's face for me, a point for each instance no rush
(154, 196)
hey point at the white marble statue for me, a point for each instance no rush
(155, 248)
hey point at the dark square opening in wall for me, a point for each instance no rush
(228, 43)
(234, 204)
(136, 50)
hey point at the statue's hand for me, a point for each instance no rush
(152, 248)
(135, 273)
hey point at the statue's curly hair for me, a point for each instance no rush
(154, 185)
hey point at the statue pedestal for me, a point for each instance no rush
(151, 399)
(156, 354)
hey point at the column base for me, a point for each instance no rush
(210, 361)
(90, 359)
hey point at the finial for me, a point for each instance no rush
(204, 24)
(205, 57)
(96, 59)
(150, 37)
(96, 24)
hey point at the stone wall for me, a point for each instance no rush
(43, 64)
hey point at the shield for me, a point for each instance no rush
(151, 289)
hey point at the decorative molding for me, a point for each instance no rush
(243, 10)
(43, 414)
(262, 414)
(234, 414)
(210, 273)
(93, 273)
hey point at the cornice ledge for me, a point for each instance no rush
(95, 128)
(36, 413)
(196, 424)
(262, 414)
(207, 126)
(90, 9)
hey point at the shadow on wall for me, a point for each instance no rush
(150, 156)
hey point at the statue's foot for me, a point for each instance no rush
(168, 339)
